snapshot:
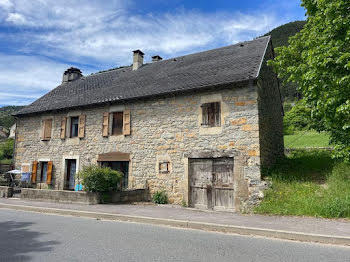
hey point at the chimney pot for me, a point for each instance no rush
(156, 58)
(137, 59)
(71, 74)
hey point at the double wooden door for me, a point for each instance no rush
(212, 184)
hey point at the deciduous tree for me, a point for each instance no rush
(318, 60)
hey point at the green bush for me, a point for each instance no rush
(6, 149)
(100, 179)
(297, 118)
(160, 197)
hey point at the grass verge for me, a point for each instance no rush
(300, 139)
(308, 183)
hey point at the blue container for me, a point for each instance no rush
(25, 177)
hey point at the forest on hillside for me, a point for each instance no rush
(279, 37)
(6, 118)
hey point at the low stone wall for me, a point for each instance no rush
(6, 191)
(133, 195)
(90, 198)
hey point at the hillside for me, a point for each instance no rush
(6, 120)
(279, 37)
(280, 34)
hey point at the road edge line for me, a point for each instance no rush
(222, 228)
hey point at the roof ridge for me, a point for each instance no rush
(178, 57)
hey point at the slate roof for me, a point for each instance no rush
(234, 63)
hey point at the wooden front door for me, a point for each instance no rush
(211, 183)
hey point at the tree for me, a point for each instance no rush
(318, 60)
(6, 149)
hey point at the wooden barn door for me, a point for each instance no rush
(223, 184)
(211, 183)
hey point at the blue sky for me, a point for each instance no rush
(39, 39)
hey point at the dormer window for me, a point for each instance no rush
(211, 114)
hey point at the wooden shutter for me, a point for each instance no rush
(42, 130)
(205, 114)
(34, 171)
(47, 129)
(126, 123)
(82, 120)
(63, 127)
(49, 173)
(105, 124)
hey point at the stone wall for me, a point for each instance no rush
(6, 191)
(270, 114)
(64, 196)
(161, 129)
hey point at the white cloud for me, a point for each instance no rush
(26, 78)
(103, 34)
(16, 18)
(5, 4)
(107, 32)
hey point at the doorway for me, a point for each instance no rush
(71, 171)
(211, 183)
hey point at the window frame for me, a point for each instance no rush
(71, 127)
(211, 114)
(113, 118)
(163, 171)
(42, 164)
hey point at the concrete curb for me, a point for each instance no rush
(271, 233)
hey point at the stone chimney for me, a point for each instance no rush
(156, 58)
(71, 74)
(137, 59)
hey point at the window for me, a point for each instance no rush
(43, 173)
(211, 114)
(46, 129)
(117, 123)
(164, 167)
(122, 166)
(74, 126)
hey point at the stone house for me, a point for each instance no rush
(3, 133)
(199, 126)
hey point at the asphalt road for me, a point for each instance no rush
(26, 236)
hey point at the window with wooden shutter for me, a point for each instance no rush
(211, 114)
(82, 120)
(49, 173)
(63, 128)
(46, 129)
(105, 124)
(126, 123)
(34, 171)
(117, 123)
(74, 126)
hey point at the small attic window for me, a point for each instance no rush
(211, 114)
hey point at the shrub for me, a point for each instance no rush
(6, 149)
(160, 197)
(100, 179)
(298, 118)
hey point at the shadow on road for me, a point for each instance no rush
(17, 240)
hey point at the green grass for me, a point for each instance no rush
(300, 139)
(6, 161)
(308, 183)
